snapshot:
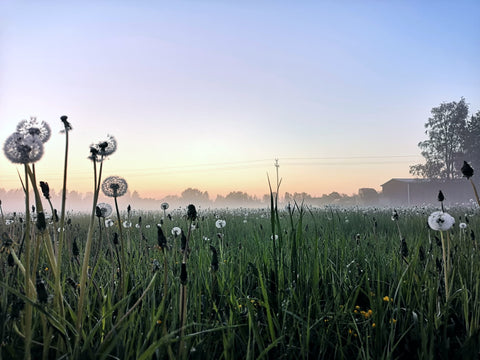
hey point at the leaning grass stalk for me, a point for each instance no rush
(127, 314)
(45, 237)
(1, 213)
(165, 289)
(22, 269)
(86, 256)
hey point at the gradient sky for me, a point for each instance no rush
(207, 94)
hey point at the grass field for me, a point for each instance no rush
(331, 283)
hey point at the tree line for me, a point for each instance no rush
(12, 200)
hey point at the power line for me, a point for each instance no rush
(249, 164)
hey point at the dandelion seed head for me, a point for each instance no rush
(176, 231)
(127, 224)
(23, 150)
(105, 210)
(114, 186)
(440, 221)
(462, 225)
(220, 224)
(109, 223)
(34, 128)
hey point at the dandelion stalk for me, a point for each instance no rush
(101, 149)
(123, 283)
(61, 237)
(442, 221)
(445, 266)
(28, 291)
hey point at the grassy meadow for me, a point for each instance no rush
(331, 283)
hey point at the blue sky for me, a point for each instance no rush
(207, 94)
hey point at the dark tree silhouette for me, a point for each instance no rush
(444, 150)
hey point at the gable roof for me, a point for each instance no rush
(406, 180)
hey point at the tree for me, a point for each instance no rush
(368, 195)
(194, 195)
(472, 141)
(444, 149)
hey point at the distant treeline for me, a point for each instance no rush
(14, 200)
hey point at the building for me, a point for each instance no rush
(425, 191)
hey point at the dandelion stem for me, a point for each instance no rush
(61, 236)
(123, 283)
(28, 291)
(445, 266)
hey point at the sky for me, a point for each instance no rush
(208, 93)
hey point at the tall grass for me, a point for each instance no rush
(350, 295)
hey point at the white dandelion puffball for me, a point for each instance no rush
(109, 223)
(34, 128)
(104, 210)
(440, 221)
(220, 223)
(127, 224)
(176, 231)
(462, 226)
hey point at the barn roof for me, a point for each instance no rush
(406, 180)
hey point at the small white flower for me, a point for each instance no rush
(440, 221)
(109, 223)
(127, 224)
(220, 223)
(137, 226)
(462, 225)
(245, 221)
(276, 237)
(8, 222)
(176, 231)
(60, 229)
(147, 226)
